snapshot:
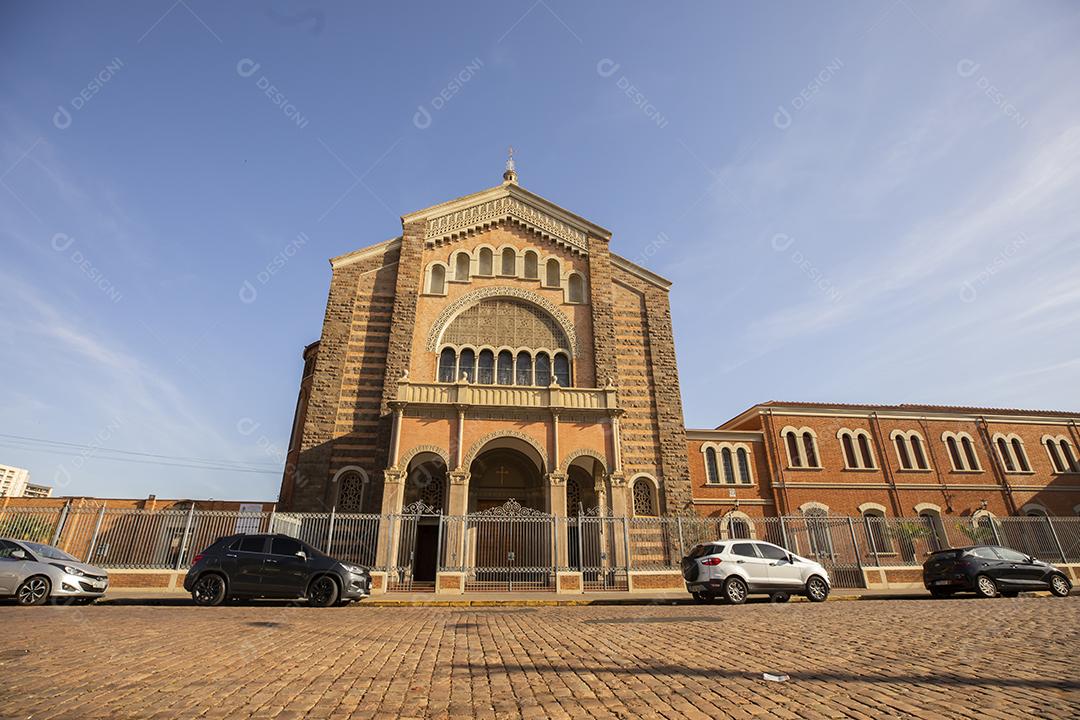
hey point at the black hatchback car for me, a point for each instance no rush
(988, 570)
(273, 566)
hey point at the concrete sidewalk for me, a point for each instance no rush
(126, 596)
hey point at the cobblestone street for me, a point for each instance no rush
(859, 659)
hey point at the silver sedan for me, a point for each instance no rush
(34, 572)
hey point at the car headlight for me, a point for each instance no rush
(70, 570)
(354, 569)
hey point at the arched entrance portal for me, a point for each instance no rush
(423, 502)
(509, 532)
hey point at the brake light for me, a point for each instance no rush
(197, 558)
(711, 561)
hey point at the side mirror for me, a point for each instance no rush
(791, 558)
(301, 554)
(18, 554)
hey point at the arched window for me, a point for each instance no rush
(485, 369)
(553, 277)
(954, 453)
(1021, 456)
(509, 262)
(576, 288)
(969, 453)
(524, 369)
(467, 365)
(562, 370)
(462, 264)
(532, 265)
(794, 456)
(543, 369)
(729, 470)
(738, 528)
(936, 530)
(920, 454)
(712, 474)
(486, 262)
(877, 535)
(865, 452)
(817, 529)
(1005, 455)
(1035, 512)
(744, 466)
(1067, 454)
(902, 452)
(810, 449)
(849, 451)
(1055, 455)
(644, 503)
(437, 280)
(447, 365)
(351, 488)
(506, 368)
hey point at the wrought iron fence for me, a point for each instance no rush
(513, 548)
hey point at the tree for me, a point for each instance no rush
(978, 534)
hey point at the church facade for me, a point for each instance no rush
(496, 351)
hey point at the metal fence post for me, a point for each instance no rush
(330, 530)
(994, 531)
(186, 538)
(682, 543)
(438, 549)
(783, 535)
(626, 540)
(270, 521)
(555, 560)
(60, 524)
(1061, 550)
(93, 538)
(854, 542)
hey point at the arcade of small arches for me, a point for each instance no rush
(504, 366)
(485, 261)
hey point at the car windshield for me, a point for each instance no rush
(48, 551)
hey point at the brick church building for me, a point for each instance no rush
(498, 353)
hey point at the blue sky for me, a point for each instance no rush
(872, 202)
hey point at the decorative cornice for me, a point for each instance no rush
(469, 299)
(454, 224)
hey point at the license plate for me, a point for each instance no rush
(943, 582)
(99, 583)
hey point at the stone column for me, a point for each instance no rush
(393, 495)
(619, 509)
(395, 436)
(455, 529)
(556, 487)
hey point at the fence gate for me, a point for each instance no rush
(416, 537)
(830, 541)
(596, 549)
(510, 548)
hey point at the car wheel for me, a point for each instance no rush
(1059, 585)
(33, 591)
(735, 590)
(817, 589)
(985, 586)
(323, 592)
(209, 590)
(939, 593)
(780, 596)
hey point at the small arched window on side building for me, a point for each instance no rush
(552, 274)
(486, 262)
(532, 265)
(576, 288)
(509, 262)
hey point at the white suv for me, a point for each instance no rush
(733, 569)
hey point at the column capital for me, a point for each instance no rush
(397, 405)
(460, 477)
(394, 476)
(617, 479)
(556, 479)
